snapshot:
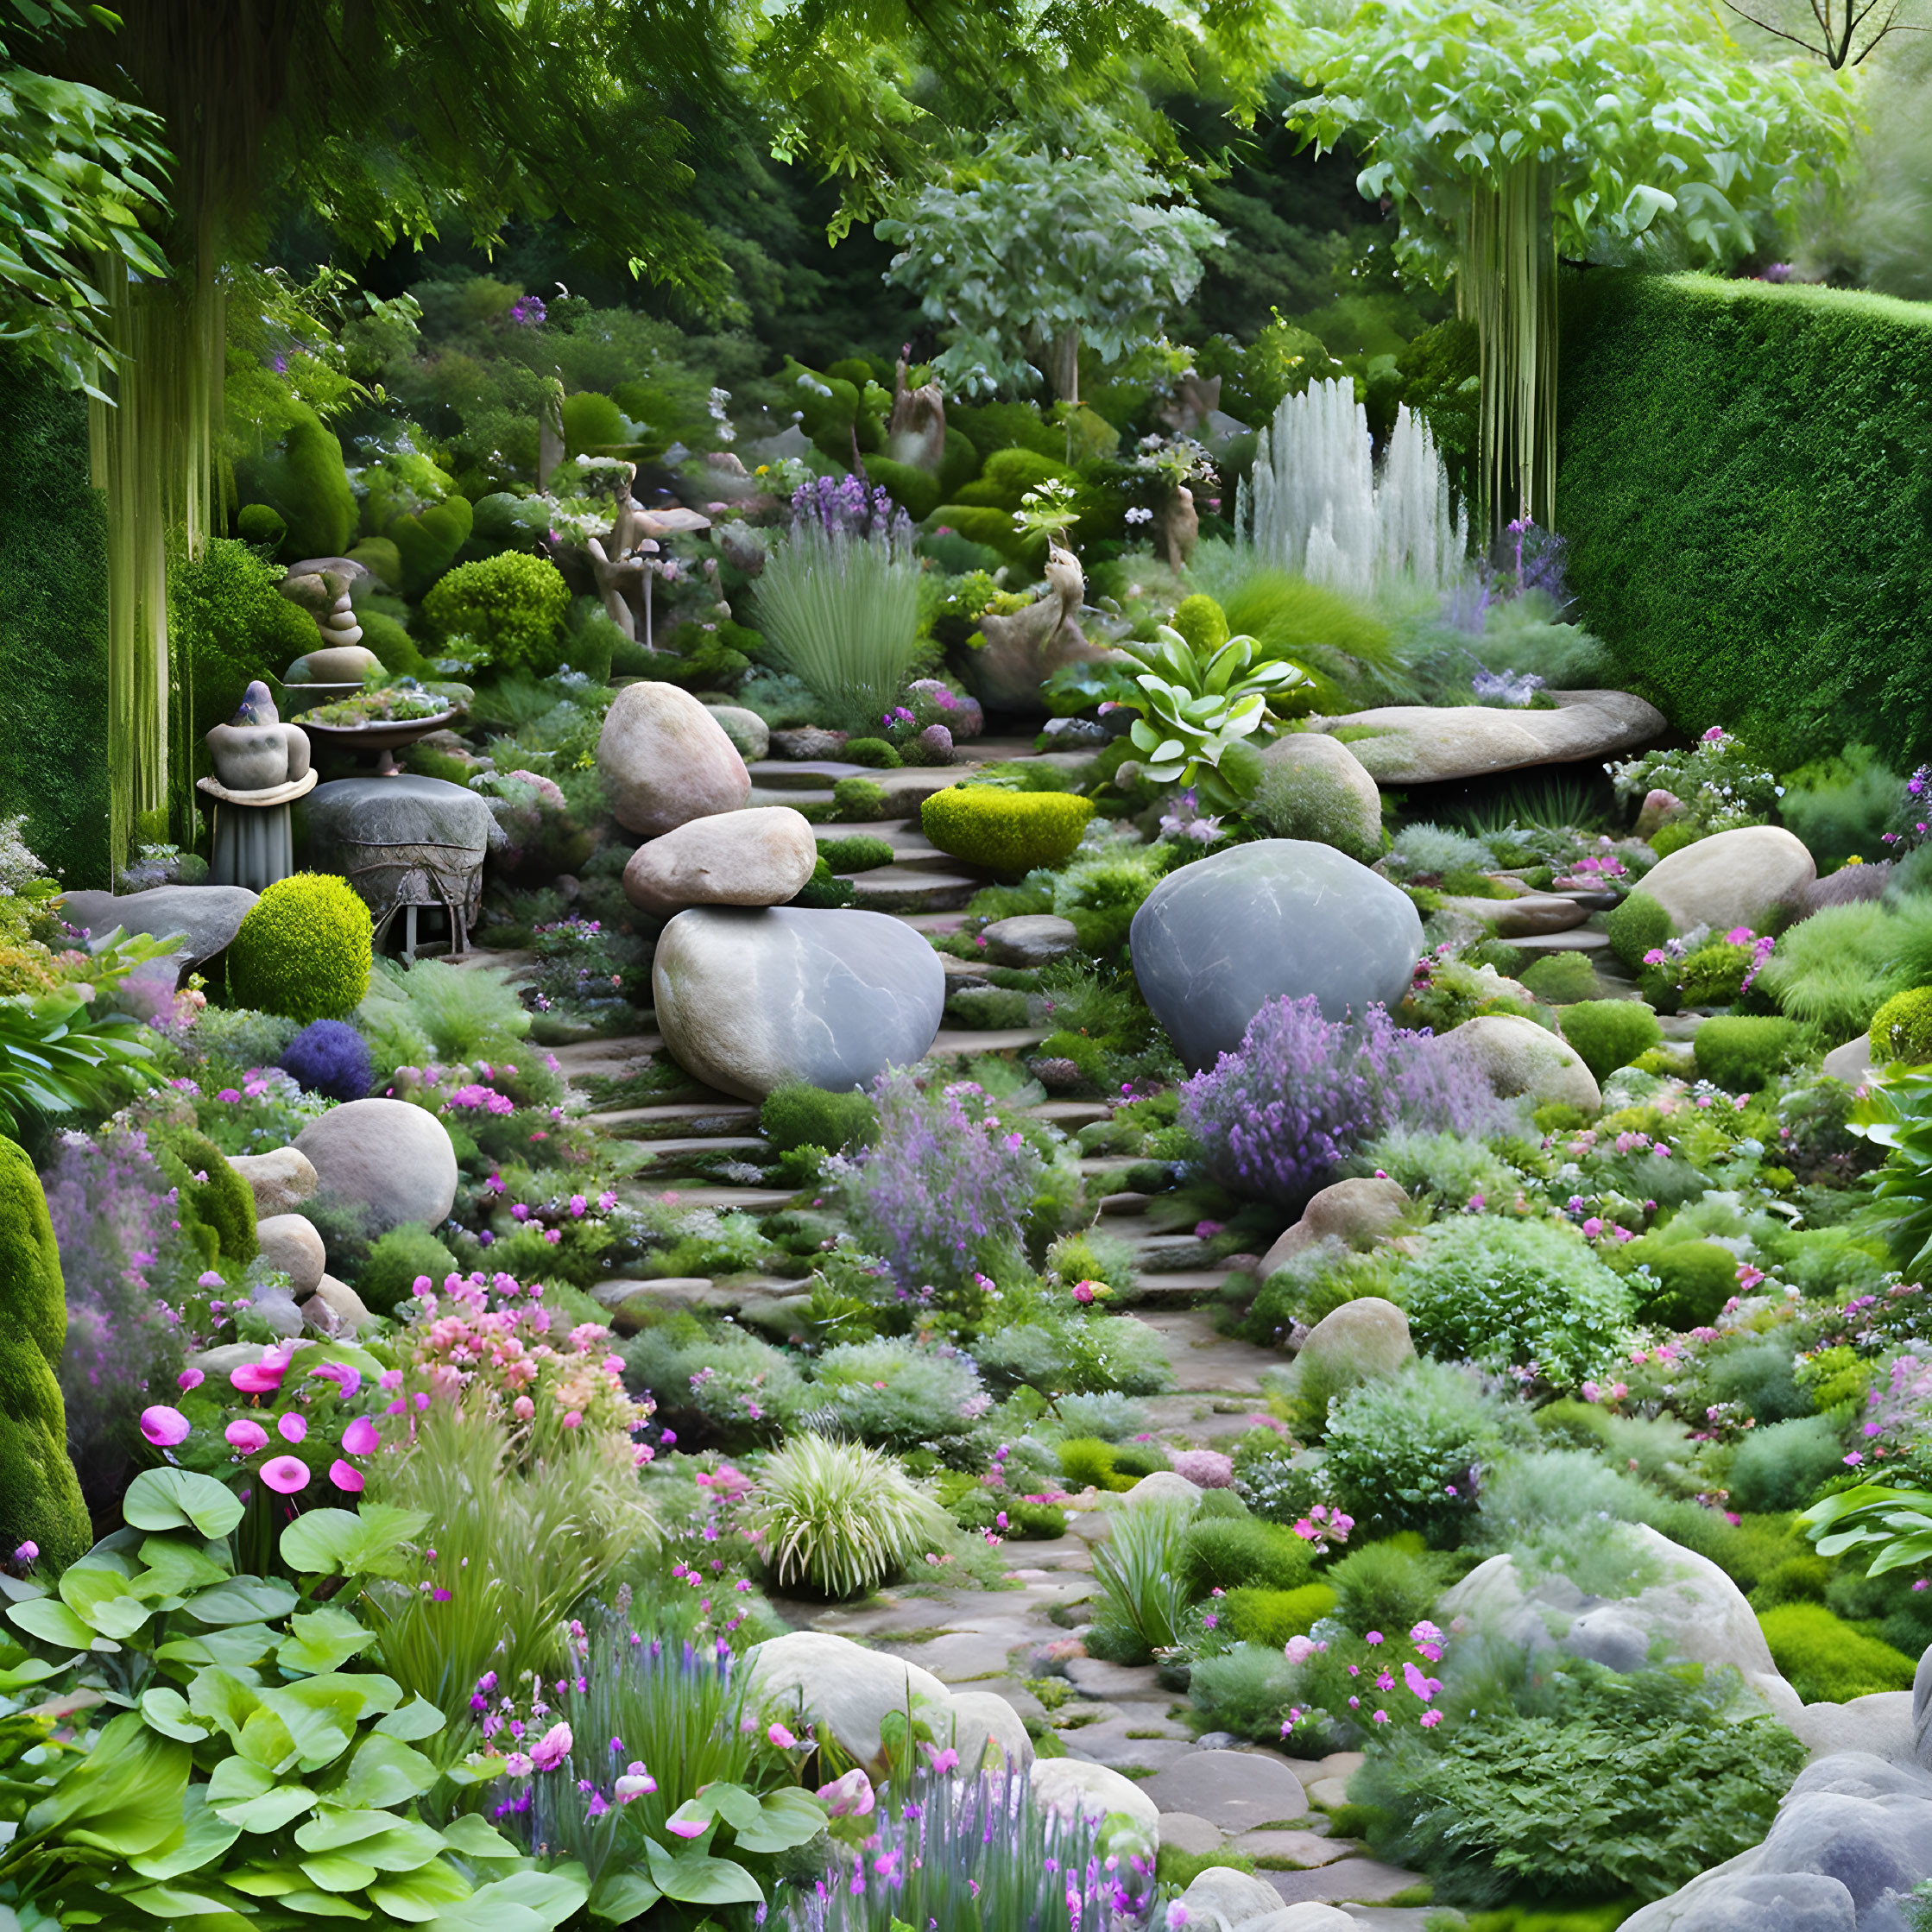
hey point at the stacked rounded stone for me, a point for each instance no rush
(281, 1180)
(1215, 942)
(1030, 939)
(1732, 879)
(667, 761)
(761, 855)
(389, 1161)
(748, 1001)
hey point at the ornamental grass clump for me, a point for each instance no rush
(838, 1518)
(1275, 1117)
(839, 599)
(1142, 1572)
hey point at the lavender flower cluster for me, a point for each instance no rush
(1301, 1092)
(846, 506)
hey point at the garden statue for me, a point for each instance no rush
(917, 431)
(1177, 529)
(262, 766)
(1023, 650)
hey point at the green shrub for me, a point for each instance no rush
(591, 422)
(1136, 1460)
(304, 948)
(875, 752)
(1007, 475)
(1783, 1465)
(1141, 1607)
(396, 1261)
(306, 481)
(214, 1199)
(1329, 631)
(261, 525)
(1086, 1462)
(510, 607)
(1202, 622)
(1390, 1587)
(1689, 1282)
(1563, 979)
(1827, 1662)
(40, 1493)
(1833, 971)
(860, 852)
(392, 644)
(985, 528)
(796, 1116)
(227, 618)
(1405, 1451)
(838, 1518)
(987, 1006)
(824, 888)
(1303, 801)
(1245, 1690)
(858, 799)
(915, 490)
(426, 542)
(1008, 832)
(1271, 1616)
(1702, 423)
(1902, 1028)
(1609, 1033)
(1743, 1053)
(1638, 927)
(1507, 1293)
(1223, 1554)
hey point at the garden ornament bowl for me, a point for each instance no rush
(385, 737)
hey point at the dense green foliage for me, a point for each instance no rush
(1828, 1661)
(507, 608)
(1636, 927)
(397, 1259)
(1225, 1554)
(217, 1206)
(230, 626)
(39, 1494)
(1008, 832)
(1743, 467)
(1743, 1051)
(303, 950)
(1609, 1033)
(1902, 1027)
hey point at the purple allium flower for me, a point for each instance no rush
(329, 1057)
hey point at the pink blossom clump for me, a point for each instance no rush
(285, 1474)
(1205, 1468)
(164, 1427)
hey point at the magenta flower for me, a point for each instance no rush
(291, 1427)
(361, 1437)
(347, 1379)
(552, 1748)
(261, 1378)
(687, 1828)
(246, 1437)
(344, 1475)
(26, 1552)
(164, 1427)
(518, 1764)
(285, 1474)
(1424, 1687)
(189, 1378)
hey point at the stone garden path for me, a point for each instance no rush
(1022, 1640)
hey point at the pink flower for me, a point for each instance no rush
(1431, 1719)
(942, 1761)
(1298, 1649)
(849, 1796)
(361, 1437)
(261, 1378)
(26, 1552)
(636, 1783)
(285, 1474)
(782, 1737)
(1424, 1687)
(553, 1747)
(687, 1828)
(523, 1408)
(1373, 1637)
(164, 1427)
(348, 1380)
(1084, 1290)
(291, 1427)
(517, 1765)
(344, 1475)
(189, 1378)
(246, 1437)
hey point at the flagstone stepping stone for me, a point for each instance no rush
(1093, 1676)
(961, 1655)
(1030, 939)
(1216, 940)
(1239, 1791)
(1294, 1851)
(1189, 1834)
(1328, 1794)
(1417, 744)
(1527, 918)
(1368, 1880)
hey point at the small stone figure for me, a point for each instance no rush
(1022, 651)
(916, 433)
(254, 751)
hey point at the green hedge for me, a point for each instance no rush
(53, 626)
(1745, 481)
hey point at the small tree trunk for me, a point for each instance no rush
(1062, 364)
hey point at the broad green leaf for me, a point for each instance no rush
(263, 1739)
(167, 1901)
(384, 1771)
(737, 1807)
(51, 1621)
(178, 1499)
(265, 1881)
(167, 1711)
(275, 1808)
(236, 1647)
(422, 1895)
(623, 1896)
(418, 1718)
(234, 1780)
(338, 1871)
(321, 1904)
(175, 1566)
(322, 1640)
(474, 1836)
(403, 1847)
(694, 1879)
(332, 1827)
(106, 1602)
(223, 1698)
(365, 1543)
(243, 1600)
(127, 1796)
(200, 1844)
(787, 1817)
(535, 1900)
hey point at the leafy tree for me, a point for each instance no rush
(1024, 253)
(1508, 136)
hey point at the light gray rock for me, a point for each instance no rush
(759, 856)
(1215, 942)
(290, 1242)
(1222, 1899)
(333, 664)
(1851, 1062)
(1315, 786)
(1881, 1723)
(281, 1180)
(1187, 1833)
(667, 761)
(1239, 1791)
(1365, 1337)
(987, 1730)
(349, 816)
(390, 1159)
(1423, 745)
(1517, 1056)
(1773, 1902)
(1862, 1774)
(1527, 918)
(206, 916)
(335, 1312)
(843, 1690)
(1310, 1915)
(276, 1307)
(1731, 879)
(745, 729)
(1871, 1846)
(748, 1000)
(1358, 1212)
(1075, 1789)
(1922, 1710)
(1030, 939)
(1160, 1486)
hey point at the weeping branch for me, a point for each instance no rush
(1837, 34)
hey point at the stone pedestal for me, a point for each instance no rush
(253, 845)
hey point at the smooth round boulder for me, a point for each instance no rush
(1516, 1057)
(1223, 1895)
(749, 1000)
(1160, 1486)
(667, 761)
(205, 917)
(334, 664)
(1326, 789)
(1357, 1212)
(987, 1730)
(391, 1161)
(1772, 1902)
(1310, 1915)
(1030, 939)
(291, 1243)
(1731, 879)
(1075, 1789)
(1872, 1847)
(1422, 744)
(281, 1180)
(1215, 942)
(1365, 1337)
(759, 856)
(745, 728)
(843, 1690)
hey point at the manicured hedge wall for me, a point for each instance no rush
(1746, 479)
(53, 626)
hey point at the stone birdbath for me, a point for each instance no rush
(329, 725)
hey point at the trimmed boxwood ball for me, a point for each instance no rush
(262, 524)
(1201, 622)
(1008, 832)
(860, 852)
(1744, 1053)
(329, 1057)
(511, 605)
(40, 1493)
(1610, 1034)
(395, 1263)
(304, 948)
(1563, 979)
(216, 1205)
(1902, 1028)
(1689, 1282)
(1636, 927)
(875, 752)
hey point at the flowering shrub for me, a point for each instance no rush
(1909, 827)
(729, 1387)
(1718, 784)
(1275, 1117)
(900, 1395)
(329, 1057)
(1352, 1684)
(945, 1194)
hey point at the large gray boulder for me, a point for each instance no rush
(1731, 879)
(1419, 744)
(759, 856)
(667, 761)
(1215, 942)
(390, 1159)
(205, 917)
(749, 1000)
